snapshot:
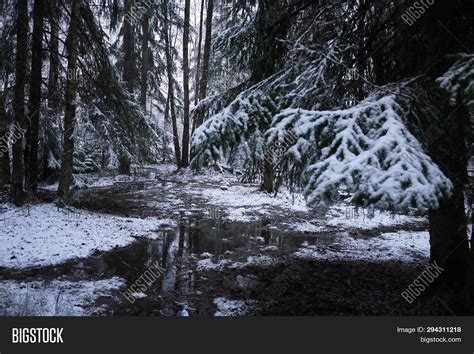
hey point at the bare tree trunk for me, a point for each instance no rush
(4, 153)
(19, 195)
(165, 127)
(185, 156)
(65, 179)
(198, 59)
(128, 69)
(128, 72)
(145, 59)
(53, 76)
(169, 67)
(267, 185)
(35, 95)
(206, 59)
(448, 224)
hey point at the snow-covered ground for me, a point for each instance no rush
(54, 298)
(398, 246)
(43, 234)
(240, 196)
(341, 217)
(233, 308)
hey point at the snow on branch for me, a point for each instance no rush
(459, 79)
(247, 117)
(368, 148)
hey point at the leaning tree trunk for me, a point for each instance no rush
(18, 193)
(65, 179)
(4, 153)
(169, 69)
(185, 156)
(35, 95)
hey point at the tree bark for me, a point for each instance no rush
(53, 76)
(206, 59)
(18, 193)
(4, 153)
(145, 59)
(187, 12)
(267, 185)
(35, 95)
(65, 179)
(169, 69)
(198, 59)
(128, 71)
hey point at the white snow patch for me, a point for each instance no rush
(246, 204)
(349, 217)
(208, 264)
(54, 298)
(233, 308)
(255, 261)
(402, 246)
(43, 234)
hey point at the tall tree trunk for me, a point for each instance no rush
(128, 71)
(169, 69)
(53, 75)
(35, 95)
(267, 184)
(145, 59)
(198, 56)
(448, 224)
(4, 153)
(206, 59)
(53, 78)
(166, 127)
(187, 12)
(18, 193)
(65, 179)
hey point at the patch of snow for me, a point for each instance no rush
(246, 204)
(54, 298)
(349, 217)
(43, 234)
(343, 217)
(306, 226)
(241, 215)
(208, 264)
(255, 261)
(233, 308)
(402, 246)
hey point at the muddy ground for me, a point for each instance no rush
(275, 283)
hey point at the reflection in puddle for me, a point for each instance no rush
(177, 251)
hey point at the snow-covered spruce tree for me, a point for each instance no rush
(113, 123)
(367, 148)
(369, 132)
